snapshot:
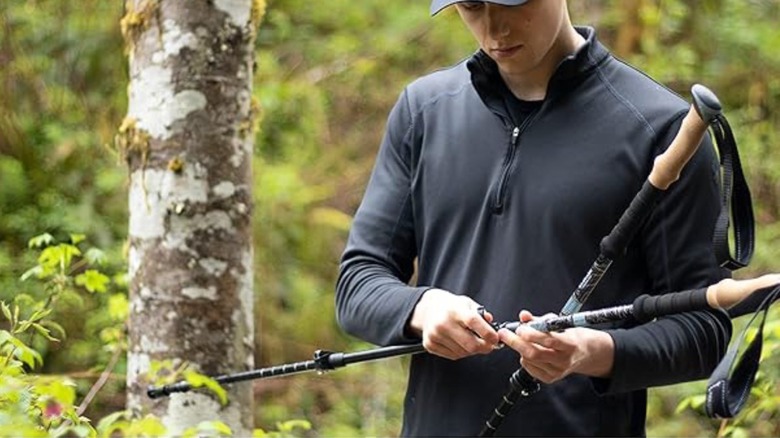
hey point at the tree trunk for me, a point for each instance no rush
(188, 143)
(629, 32)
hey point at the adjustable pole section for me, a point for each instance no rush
(645, 308)
(323, 361)
(722, 295)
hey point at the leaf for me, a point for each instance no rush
(61, 390)
(198, 380)
(50, 257)
(148, 426)
(290, 425)
(93, 280)
(40, 314)
(23, 327)
(683, 405)
(95, 256)
(83, 430)
(112, 422)
(5, 336)
(118, 307)
(36, 271)
(41, 241)
(68, 251)
(697, 401)
(120, 279)
(27, 355)
(14, 368)
(43, 331)
(217, 426)
(75, 239)
(6, 311)
(209, 428)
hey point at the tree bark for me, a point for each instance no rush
(629, 32)
(188, 143)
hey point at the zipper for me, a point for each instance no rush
(498, 198)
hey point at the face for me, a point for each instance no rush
(521, 39)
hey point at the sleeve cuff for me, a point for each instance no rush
(404, 335)
(616, 381)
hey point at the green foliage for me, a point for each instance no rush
(45, 405)
(33, 404)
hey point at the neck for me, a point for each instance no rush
(532, 84)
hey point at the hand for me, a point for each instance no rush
(451, 326)
(550, 357)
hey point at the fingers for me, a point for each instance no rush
(455, 344)
(545, 375)
(454, 327)
(544, 355)
(440, 347)
(551, 341)
(463, 335)
(479, 324)
(530, 343)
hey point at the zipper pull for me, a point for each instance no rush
(515, 135)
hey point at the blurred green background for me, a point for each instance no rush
(328, 73)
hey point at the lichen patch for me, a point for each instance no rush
(238, 10)
(154, 104)
(174, 39)
(209, 293)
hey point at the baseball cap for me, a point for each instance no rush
(438, 5)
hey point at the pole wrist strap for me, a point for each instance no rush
(729, 385)
(735, 202)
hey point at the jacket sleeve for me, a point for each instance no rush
(677, 242)
(373, 299)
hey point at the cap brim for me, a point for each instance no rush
(438, 5)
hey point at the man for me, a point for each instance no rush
(500, 176)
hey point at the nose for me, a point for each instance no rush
(498, 25)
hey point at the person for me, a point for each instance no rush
(495, 181)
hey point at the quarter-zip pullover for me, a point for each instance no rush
(512, 216)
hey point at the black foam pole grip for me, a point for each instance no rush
(646, 307)
(614, 245)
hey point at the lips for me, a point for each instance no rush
(506, 52)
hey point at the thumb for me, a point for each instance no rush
(526, 316)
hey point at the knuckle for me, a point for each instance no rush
(531, 355)
(470, 345)
(472, 320)
(435, 336)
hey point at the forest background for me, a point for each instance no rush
(327, 74)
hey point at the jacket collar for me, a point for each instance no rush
(571, 70)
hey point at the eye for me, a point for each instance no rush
(471, 6)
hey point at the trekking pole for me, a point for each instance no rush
(722, 295)
(666, 170)
(323, 361)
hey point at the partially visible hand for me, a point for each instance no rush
(451, 326)
(550, 357)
